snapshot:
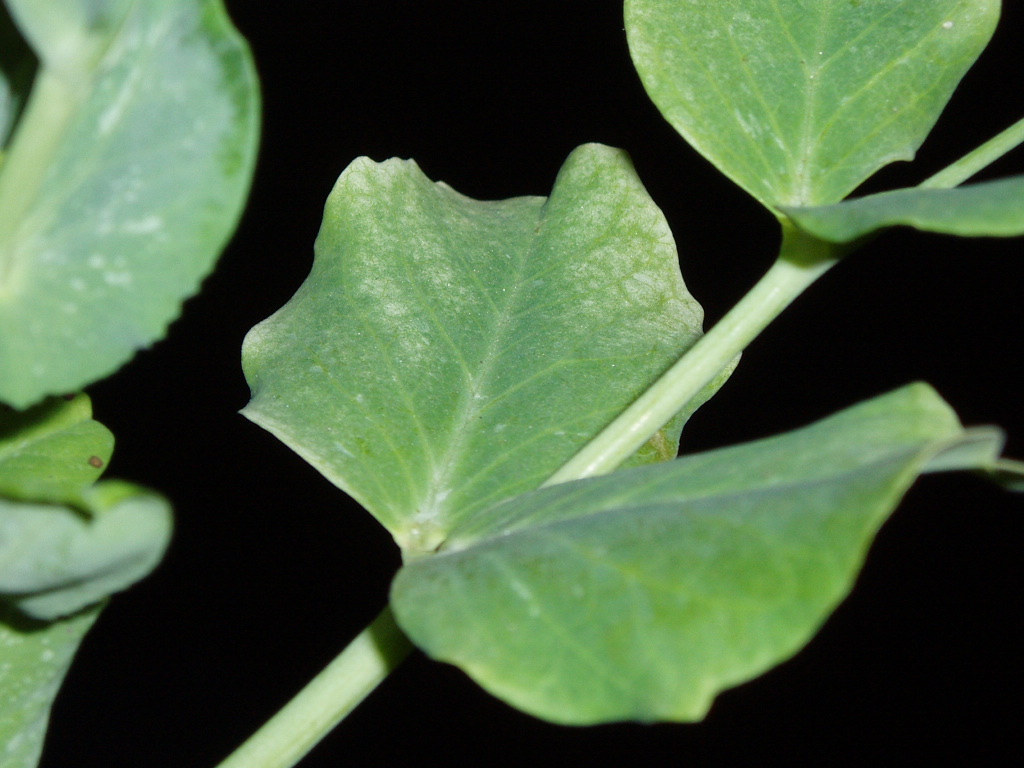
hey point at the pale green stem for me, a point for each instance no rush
(290, 734)
(978, 159)
(802, 259)
(51, 106)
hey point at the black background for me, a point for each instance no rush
(273, 570)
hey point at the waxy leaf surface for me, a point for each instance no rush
(446, 353)
(121, 182)
(641, 594)
(798, 102)
(992, 208)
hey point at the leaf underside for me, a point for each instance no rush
(642, 594)
(446, 353)
(800, 102)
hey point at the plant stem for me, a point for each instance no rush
(291, 733)
(52, 105)
(977, 159)
(802, 259)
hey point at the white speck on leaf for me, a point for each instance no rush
(117, 278)
(144, 226)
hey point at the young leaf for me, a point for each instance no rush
(993, 208)
(125, 175)
(34, 657)
(446, 353)
(641, 594)
(53, 450)
(798, 102)
(66, 542)
(57, 559)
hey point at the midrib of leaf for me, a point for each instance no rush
(483, 501)
(144, 55)
(727, 103)
(54, 105)
(809, 149)
(431, 513)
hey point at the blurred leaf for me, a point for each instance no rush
(641, 594)
(34, 657)
(53, 450)
(66, 543)
(55, 560)
(799, 102)
(124, 178)
(447, 353)
(17, 65)
(993, 208)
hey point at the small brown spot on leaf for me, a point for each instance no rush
(96, 461)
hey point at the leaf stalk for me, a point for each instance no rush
(51, 107)
(300, 725)
(977, 159)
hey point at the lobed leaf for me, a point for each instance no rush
(70, 36)
(124, 178)
(446, 353)
(992, 208)
(641, 594)
(798, 102)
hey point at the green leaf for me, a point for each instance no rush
(641, 594)
(798, 102)
(125, 176)
(55, 560)
(446, 353)
(993, 208)
(70, 36)
(66, 541)
(53, 450)
(34, 657)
